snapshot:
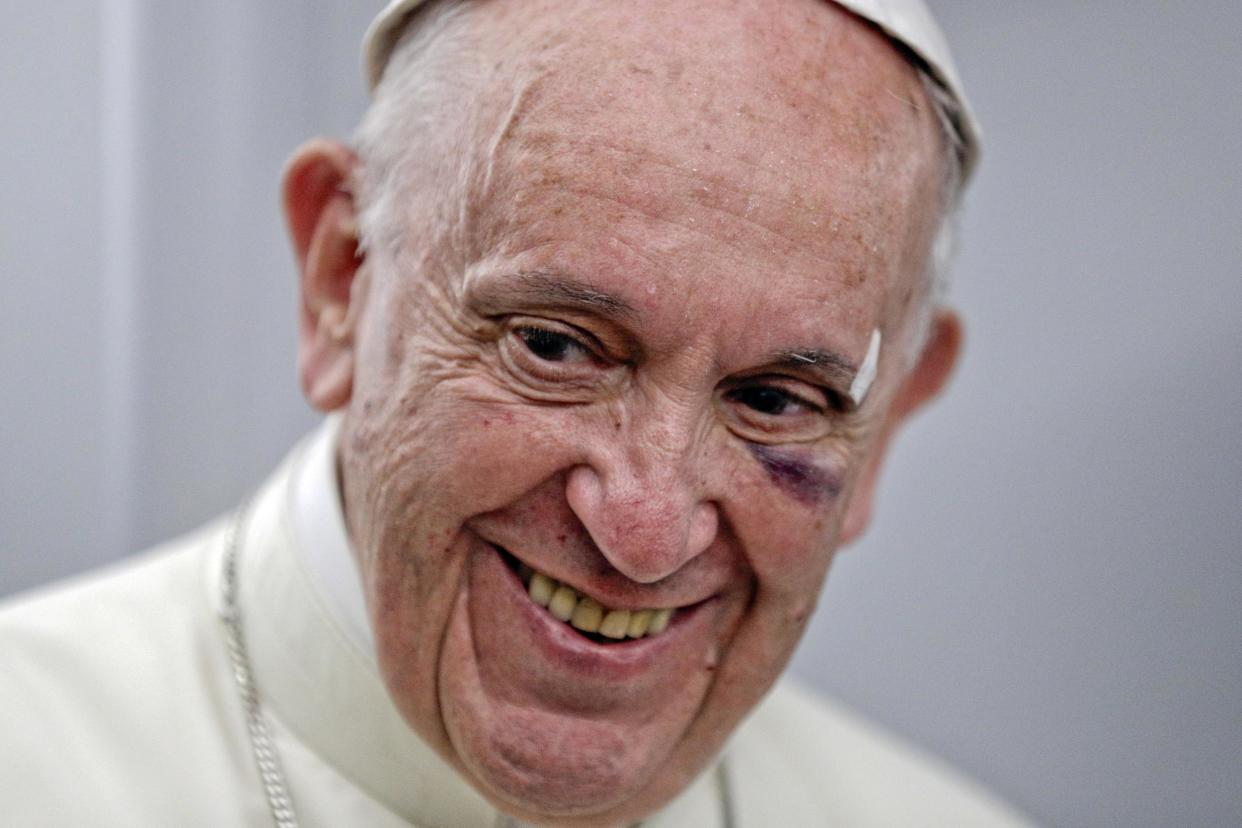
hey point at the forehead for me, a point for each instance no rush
(781, 152)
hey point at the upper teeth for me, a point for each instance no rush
(588, 615)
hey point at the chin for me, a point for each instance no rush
(547, 766)
(549, 724)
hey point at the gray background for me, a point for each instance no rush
(1051, 596)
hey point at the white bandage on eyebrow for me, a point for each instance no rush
(866, 372)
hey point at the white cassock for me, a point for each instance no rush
(119, 707)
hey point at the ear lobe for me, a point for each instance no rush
(925, 380)
(322, 224)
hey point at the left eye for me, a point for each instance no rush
(551, 346)
(554, 361)
(768, 400)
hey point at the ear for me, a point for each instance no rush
(322, 224)
(928, 377)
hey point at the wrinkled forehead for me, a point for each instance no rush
(790, 125)
(795, 77)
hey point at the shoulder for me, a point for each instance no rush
(110, 677)
(802, 759)
(143, 595)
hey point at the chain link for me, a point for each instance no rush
(265, 756)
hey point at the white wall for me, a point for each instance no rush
(51, 364)
(1051, 596)
(148, 350)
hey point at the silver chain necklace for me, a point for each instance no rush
(265, 756)
(261, 744)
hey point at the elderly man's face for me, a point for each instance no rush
(618, 355)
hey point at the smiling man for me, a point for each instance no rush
(620, 305)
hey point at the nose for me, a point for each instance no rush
(642, 498)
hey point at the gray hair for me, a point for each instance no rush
(404, 103)
(944, 245)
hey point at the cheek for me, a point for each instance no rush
(789, 518)
(798, 477)
(459, 456)
(423, 471)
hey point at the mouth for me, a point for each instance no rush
(541, 691)
(593, 620)
(581, 669)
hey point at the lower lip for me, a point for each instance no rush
(564, 646)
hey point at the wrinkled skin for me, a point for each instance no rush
(675, 194)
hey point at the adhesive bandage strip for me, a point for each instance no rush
(866, 372)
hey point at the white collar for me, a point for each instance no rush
(322, 539)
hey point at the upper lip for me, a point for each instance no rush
(636, 598)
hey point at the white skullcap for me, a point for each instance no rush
(909, 22)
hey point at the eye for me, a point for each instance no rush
(551, 359)
(769, 400)
(550, 345)
(779, 409)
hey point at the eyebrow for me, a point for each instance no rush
(832, 365)
(552, 288)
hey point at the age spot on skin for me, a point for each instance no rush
(798, 478)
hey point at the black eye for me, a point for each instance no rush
(764, 399)
(549, 345)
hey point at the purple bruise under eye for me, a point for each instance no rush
(800, 479)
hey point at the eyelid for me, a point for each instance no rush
(523, 330)
(826, 399)
(581, 378)
(585, 339)
(806, 426)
